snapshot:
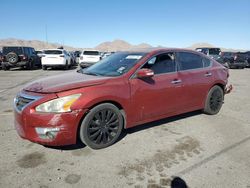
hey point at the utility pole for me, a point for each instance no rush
(46, 34)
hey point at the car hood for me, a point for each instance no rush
(64, 82)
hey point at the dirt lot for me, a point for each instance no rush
(205, 151)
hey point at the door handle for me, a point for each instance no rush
(208, 74)
(175, 81)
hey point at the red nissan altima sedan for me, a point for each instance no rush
(119, 92)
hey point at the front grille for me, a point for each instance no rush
(21, 102)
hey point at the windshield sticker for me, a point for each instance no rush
(133, 57)
(121, 69)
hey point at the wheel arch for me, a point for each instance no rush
(115, 103)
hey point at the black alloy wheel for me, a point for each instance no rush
(214, 100)
(102, 126)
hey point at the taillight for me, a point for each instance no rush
(23, 57)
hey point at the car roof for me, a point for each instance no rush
(158, 50)
(207, 48)
(54, 49)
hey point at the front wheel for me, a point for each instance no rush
(214, 100)
(102, 126)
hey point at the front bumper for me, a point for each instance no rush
(86, 64)
(238, 64)
(18, 64)
(228, 88)
(27, 121)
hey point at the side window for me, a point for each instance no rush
(26, 51)
(163, 63)
(189, 61)
(206, 62)
(30, 51)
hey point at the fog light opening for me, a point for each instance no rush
(47, 133)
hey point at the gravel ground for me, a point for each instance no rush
(205, 151)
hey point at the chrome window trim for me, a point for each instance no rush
(35, 98)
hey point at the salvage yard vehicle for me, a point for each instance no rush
(19, 56)
(56, 58)
(214, 53)
(234, 60)
(121, 91)
(88, 58)
(1, 59)
(40, 53)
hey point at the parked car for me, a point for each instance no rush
(40, 53)
(234, 60)
(88, 58)
(73, 58)
(1, 59)
(77, 55)
(124, 90)
(247, 58)
(214, 53)
(56, 58)
(19, 56)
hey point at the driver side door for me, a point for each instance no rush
(159, 95)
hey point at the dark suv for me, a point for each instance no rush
(1, 57)
(214, 53)
(234, 60)
(19, 56)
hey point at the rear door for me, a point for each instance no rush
(195, 73)
(159, 95)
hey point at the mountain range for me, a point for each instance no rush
(116, 45)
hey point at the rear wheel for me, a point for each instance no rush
(44, 67)
(30, 65)
(5, 67)
(214, 100)
(102, 126)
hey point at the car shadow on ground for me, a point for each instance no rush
(80, 145)
(161, 122)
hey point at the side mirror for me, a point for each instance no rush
(145, 73)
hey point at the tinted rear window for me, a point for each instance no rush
(188, 61)
(214, 51)
(90, 53)
(53, 52)
(17, 50)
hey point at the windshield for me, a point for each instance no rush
(114, 65)
(90, 53)
(214, 51)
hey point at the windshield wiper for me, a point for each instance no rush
(91, 73)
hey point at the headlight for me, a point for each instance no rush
(61, 104)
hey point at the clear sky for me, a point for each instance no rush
(86, 23)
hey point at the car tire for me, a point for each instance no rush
(102, 126)
(66, 66)
(30, 65)
(44, 67)
(214, 100)
(12, 57)
(5, 68)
